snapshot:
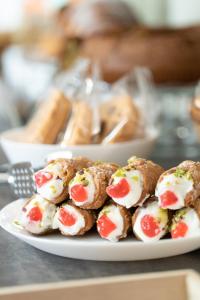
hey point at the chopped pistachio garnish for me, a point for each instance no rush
(181, 173)
(53, 189)
(132, 159)
(173, 226)
(105, 211)
(17, 224)
(119, 173)
(71, 181)
(180, 214)
(189, 176)
(98, 162)
(135, 178)
(50, 166)
(80, 178)
(85, 182)
(162, 216)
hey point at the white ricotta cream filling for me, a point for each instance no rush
(54, 187)
(113, 213)
(159, 214)
(191, 219)
(90, 188)
(180, 186)
(135, 181)
(69, 230)
(48, 211)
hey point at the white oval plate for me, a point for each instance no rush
(93, 247)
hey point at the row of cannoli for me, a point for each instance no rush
(74, 194)
(60, 120)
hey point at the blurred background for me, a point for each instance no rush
(41, 39)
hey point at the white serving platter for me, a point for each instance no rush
(91, 246)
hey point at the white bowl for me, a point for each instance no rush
(37, 153)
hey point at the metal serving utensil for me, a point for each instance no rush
(20, 178)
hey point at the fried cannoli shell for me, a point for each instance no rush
(150, 173)
(46, 230)
(79, 128)
(69, 169)
(101, 175)
(125, 213)
(193, 168)
(49, 120)
(197, 206)
(127, 221)
(88, 216)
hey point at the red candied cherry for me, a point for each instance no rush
(35, 214)
(42, 177)
(105, 226)
(150, 226)
(78, 193)
(180, 230)
(168, 199)
(119, 190)
(66, 218)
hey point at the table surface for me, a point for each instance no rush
(22, 264)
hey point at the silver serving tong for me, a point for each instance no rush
(20, 178)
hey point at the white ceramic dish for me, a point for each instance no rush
(36, 153)
(91, 246)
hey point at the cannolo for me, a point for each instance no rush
(115, 111)
(88, 188)
(48, 120)
(150, 222)
(133, 184)
(179, 186)
(72, 220)
(114, 222)
(37, 215)
(79, 128)
(52, 181)
(185, 223)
